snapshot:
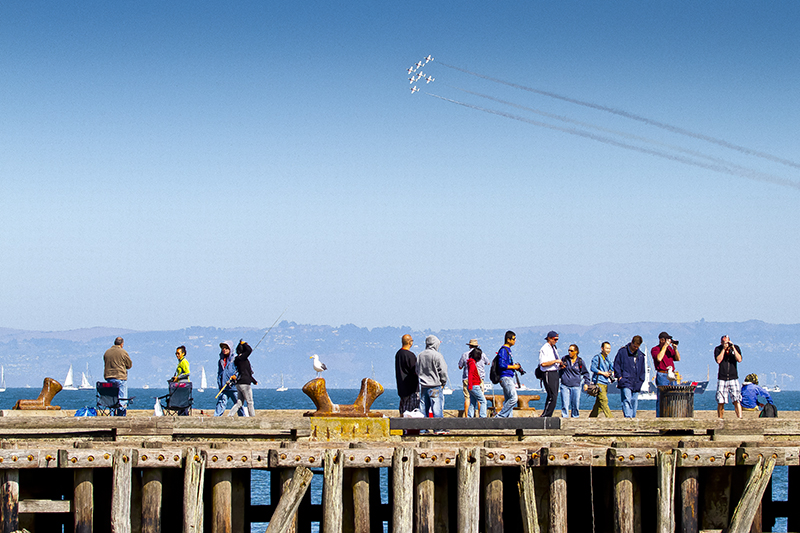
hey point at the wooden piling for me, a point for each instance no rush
(747, 507)
(493, 500)
(623, 500)
(425, 499)
(222, 515)
(403, 487)
(558, 500)
(361, 489)
(286, 475)
(441, 503)
(468, 467)
(152, 488)
(716, 498)
(193, 477)
(83, 500)
(121, 472)
(333, 465)
(665, 506)
(527, 500)
(286, 510)
(10, 500)
(687, 478)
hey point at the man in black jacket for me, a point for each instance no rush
(727, 355)
(405, 369)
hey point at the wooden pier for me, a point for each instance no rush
(528, 474)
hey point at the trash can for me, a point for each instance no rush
(677, 401)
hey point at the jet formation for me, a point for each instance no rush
(419, 75)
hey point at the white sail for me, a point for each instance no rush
(2, 379)
(68, 385)
(282, 388)
(203, 380)
(85, 385)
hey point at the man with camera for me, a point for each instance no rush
(506, 365)
(664, 357)
(727, 355)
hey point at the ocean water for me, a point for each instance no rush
(296, 399)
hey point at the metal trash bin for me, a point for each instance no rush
(676, 401)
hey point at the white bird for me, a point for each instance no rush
(319, 366)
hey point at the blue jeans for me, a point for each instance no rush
(123, 393)
(661, 379)
(570, 401)
(509, 397)
(630, 400)
(476, 398)
(222, 402)
(431, 399)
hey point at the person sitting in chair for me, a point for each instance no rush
(182, 371)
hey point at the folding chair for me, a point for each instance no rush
(108, 400)
(179, 399)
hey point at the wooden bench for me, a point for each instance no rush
(523, 402)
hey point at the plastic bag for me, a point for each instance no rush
(157, 408)
(86, 411)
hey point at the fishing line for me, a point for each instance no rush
(633, 116)
(270, 328)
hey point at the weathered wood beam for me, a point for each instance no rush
(468, 468)
(221, 511)
(558, 499)
(286, 477)
(9, 507)
(193, 480)
(332, 491)
(716, 498)
(152, 489)
(493, 498)
(121, 472)
(690, 510)
(424, 500)
(361, 510)
(747, 507)
(283, 516)
(665, 476)
(403, 487)
(623, 500)
(527, 500)
(83, 500)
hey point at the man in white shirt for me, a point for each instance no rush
(550, 363)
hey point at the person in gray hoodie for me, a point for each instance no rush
(432, 371)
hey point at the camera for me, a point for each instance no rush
(521, 371)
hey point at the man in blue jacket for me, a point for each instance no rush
(226, 369)
(629, 370)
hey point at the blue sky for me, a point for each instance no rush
(168, 164)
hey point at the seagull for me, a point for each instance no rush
(319, 366)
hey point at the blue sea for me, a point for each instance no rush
(296, 399)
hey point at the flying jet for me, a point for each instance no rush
(411, 69)
(419, 64)
(429, 58)
(412, 79)
(429, 79)
(414, 89)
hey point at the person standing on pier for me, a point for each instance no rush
(550, 363)
(727, 355)
(244, 379)
(664, 357)
(432, 372)
(116, 363)
(405, 372)
(629, 370)
(225, 371)
(505, 363)
(477, 399)
(603, 373)
(571, 374)
(463, 365)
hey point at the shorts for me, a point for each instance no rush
(728, 388)
(465, 388)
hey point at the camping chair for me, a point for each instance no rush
(179, 399)
(108, 400)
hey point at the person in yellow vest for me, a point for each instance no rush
(182, 371)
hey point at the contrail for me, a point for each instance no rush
(647, 140)
(632, 116)
(740, 172)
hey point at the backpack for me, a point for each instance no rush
(494, 371)
(769, 411)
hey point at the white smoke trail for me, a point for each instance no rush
(633, 116)
(724, 169)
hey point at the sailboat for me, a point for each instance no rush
(2, 379)
(646, 393)
(282, 388)
(85, 385)
(68, 385)
(203, 380)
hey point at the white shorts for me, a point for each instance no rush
(729, 387)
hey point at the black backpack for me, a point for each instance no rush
(769, 411)
(494, 371)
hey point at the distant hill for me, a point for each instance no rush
(352, 353)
